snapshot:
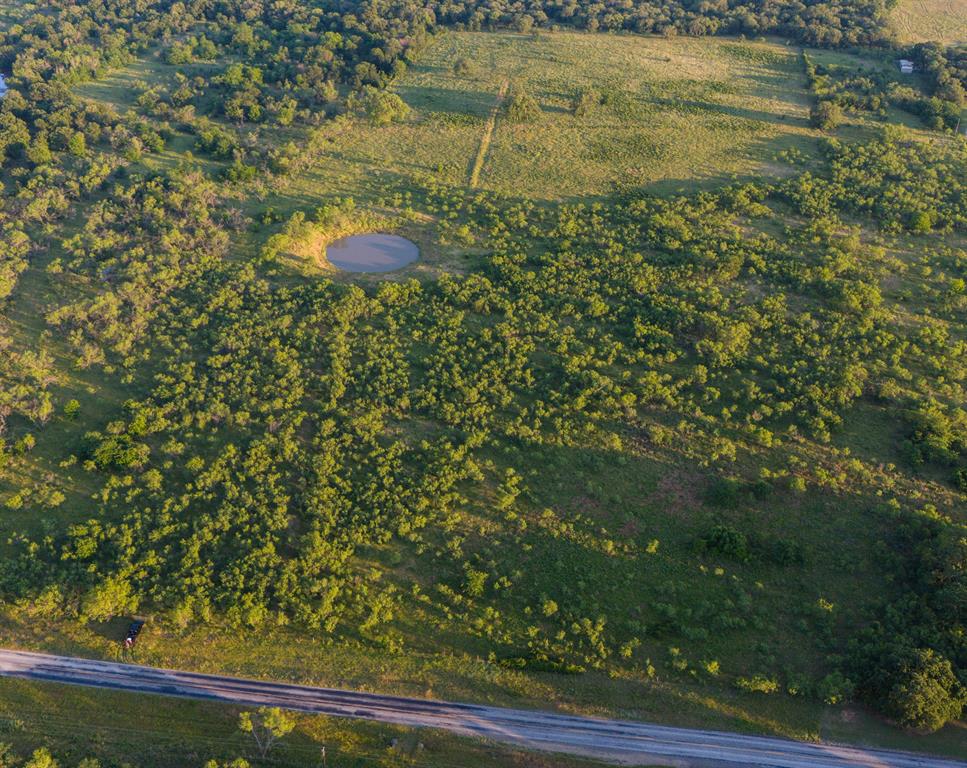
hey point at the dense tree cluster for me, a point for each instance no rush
(910, 660)
(520, 106)
(857, 89)
(944, 69)
(295, 54)
(908, 185)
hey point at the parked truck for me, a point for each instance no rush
(133, 631)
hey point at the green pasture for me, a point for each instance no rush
(675, 113)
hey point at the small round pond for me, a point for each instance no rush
(372, 253)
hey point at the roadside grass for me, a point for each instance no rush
(144, 731)
(275, 654)
(942, 21)
(851, 725)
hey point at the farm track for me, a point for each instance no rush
(617, 741)
(488, 135)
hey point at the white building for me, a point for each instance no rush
(3, 87)
(906, 66)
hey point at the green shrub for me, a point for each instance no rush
(727, 541)
(521, 106)
(825, 115)
(926, 694)
(757, 684)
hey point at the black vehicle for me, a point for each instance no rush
(133, 631)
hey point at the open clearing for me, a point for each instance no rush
(676, 111)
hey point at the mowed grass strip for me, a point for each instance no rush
(488, 135)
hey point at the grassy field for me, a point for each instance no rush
(122, 729)
(677, 112)
(943, 21)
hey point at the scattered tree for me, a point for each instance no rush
(381, 107)
(520, 106)
(266, 725)
(825, 115)
(585, 102)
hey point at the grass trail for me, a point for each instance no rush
(488, 134)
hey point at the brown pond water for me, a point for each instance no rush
(372, 253)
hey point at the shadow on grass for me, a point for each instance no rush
(434, 99)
